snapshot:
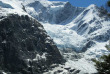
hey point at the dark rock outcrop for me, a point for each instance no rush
(88, 45)
(25, 47)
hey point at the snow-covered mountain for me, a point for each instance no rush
(92, 24)
(85, 30)
(53, 11)
(88, 29)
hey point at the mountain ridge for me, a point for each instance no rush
(53, 14)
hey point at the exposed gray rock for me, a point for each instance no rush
(25, 47)
(88, 45)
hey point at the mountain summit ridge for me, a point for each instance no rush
(53, 12)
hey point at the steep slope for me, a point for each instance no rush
(93, 24)
(25, 47)
(88, 29)
(90, 20)
(53, 11)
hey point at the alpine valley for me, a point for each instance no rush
(51, 37)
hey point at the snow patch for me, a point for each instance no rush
(4, 42)
(4, 73)
(40, 57)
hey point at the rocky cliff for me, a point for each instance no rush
(25, 47)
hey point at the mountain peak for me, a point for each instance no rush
(91, 6)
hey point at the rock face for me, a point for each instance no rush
(25, 48)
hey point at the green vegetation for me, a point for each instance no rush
(108, 47)
(103, 63)
(108, 3)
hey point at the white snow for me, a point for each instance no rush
(82, 65)
(4, 73)
(41, 28)
(56, 8)
(4, 42)
(63, 36)
(12, 7)
(40, 57)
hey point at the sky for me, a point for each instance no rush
(84, 3)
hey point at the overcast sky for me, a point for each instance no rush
(84, 3)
